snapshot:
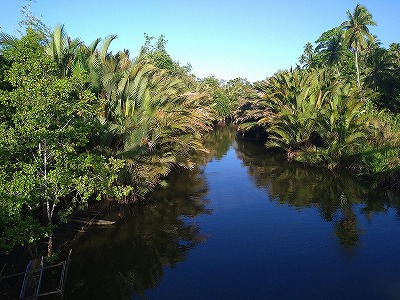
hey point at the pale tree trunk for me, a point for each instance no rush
(50, 244)
(50, 218)
(48, 209)
(358, 70)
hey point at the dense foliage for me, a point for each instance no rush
(78, 122)
(339, 106)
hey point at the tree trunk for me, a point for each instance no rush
(32, 249)
(50, 244)
(358, 71)
(48, 211)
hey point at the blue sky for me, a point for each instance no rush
(250, 39)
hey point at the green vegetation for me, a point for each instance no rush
(78, 122)
(226, 97)
(339, 107)
(46, 121)
(356, 33)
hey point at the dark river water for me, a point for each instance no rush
(245, 224)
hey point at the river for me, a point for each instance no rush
(245, 224)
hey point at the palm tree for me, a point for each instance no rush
(294, 100)
(62, 49)
(163, 126)
(149, 118)
(379, 64)
(333, 52)
(394, 51)
(356, 32)
(308, 58)
(344, 124)
(82, 58)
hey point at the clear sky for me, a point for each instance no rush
(250, 39)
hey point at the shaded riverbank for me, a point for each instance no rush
(245, 225)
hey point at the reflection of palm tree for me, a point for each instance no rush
(307, 187)
(346, 231)
(346, 228)
(299, 186)
(218, 142)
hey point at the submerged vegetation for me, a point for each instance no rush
(78, 122)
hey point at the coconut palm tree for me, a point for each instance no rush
(333, 52)
(356, 32)
(394, 51)
(378, 64)
(308, 59)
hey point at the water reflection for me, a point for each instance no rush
(120, 262)
(252, 249)
(334, 194)
(124, 261)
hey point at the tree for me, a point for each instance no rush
(157, 53)
(149, 117)
(309, 59)
(356, 32)
(344, 125)
(378, 65)
(62, 49)
(394, 50)
(293, 100)
(227, 96)
(330, 46)
(45, 127)
(33, 22)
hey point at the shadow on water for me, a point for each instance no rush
(129, 258)
(334, 193)
(123, 261)
(217, 143)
